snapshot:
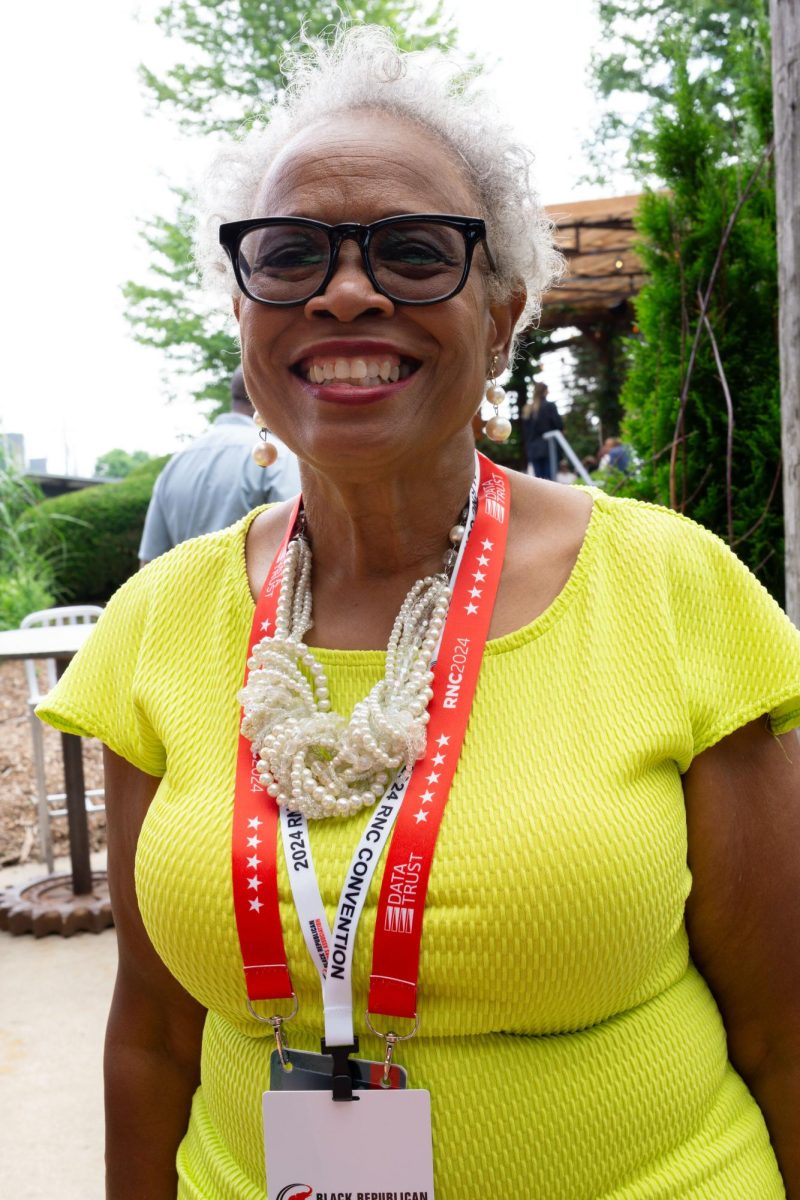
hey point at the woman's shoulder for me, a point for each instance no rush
(651, 528)
(201, 562)
(634, 540)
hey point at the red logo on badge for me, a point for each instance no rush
(290, 1192)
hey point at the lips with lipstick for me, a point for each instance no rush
(367, 371)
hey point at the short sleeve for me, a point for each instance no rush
(738, 652)
(99, 694)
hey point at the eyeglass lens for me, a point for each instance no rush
(411, 260)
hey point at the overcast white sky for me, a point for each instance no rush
(85, 164)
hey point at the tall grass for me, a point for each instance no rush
(27, 574)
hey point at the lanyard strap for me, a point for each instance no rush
(414, 801)
(398, 927)
(254, 866)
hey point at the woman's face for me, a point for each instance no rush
(361, 168)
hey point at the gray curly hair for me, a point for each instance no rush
(362, 68)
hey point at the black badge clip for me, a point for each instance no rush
(341, 1078)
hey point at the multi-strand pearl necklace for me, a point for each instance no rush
(310, 759)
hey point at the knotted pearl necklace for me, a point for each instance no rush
(312, 760)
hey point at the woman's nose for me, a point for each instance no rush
(350, 292)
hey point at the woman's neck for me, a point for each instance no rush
(389, 525)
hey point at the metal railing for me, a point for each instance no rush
(556, 438)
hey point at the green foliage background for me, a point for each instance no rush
(92, 536)
(117, 464)
(705, 142)
(27, 572)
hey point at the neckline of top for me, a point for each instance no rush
(499, 645)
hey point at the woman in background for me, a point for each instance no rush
(540, 416)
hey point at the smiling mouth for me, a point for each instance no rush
(360, 371)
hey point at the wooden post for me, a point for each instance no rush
(785, 21)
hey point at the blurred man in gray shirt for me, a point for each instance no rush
(214, 481)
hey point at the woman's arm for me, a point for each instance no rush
(743, 915)
(152, 1053)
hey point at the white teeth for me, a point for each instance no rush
(366, 372)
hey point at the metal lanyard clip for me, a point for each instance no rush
(276, 1021)
(280, 1045)
(391, 1041)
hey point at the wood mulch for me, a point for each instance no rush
(19, 827)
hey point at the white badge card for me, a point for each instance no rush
(320, 1148)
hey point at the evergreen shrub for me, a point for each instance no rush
(681, 231)
(95, 543)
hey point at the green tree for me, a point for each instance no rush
(236, 48)
(117, 464)
(233, 51)
(702, 394)
(630, 71)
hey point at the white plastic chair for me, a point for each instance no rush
(75, 614)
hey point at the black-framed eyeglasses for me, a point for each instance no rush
(419, 258)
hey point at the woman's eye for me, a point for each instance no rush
(288, 256)
(414, 252)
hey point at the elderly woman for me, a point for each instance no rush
(593, 1017)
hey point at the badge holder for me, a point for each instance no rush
(308, 1139)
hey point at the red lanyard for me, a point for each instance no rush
(398, 930)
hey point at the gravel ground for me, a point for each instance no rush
(19, 831)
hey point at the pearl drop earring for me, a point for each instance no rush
(497, 428)
(264, 453)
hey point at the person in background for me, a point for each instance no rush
(539, 416)
(565, 474)
(614, 456)
(215, 480)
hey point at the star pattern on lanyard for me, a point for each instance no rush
(254, 883)
(487, 545)
(443, 739)
(470, 609)
(254, 863)
(421, 816)
(426, 797)
(433, 777)
(254, 823)
(482, 560)
(256, 905)
(437, 759)
(265, 625)
(254, 841)
(479, 576)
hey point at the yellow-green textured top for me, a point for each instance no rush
(571, 1049)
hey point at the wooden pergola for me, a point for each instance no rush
(603, 270)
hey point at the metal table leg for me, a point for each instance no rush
(75, 788)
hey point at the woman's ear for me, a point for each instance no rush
(504, 318)
(237, 304)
